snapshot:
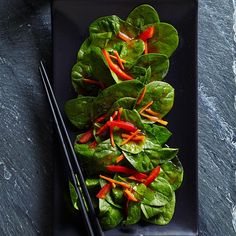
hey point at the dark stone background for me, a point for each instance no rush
(26, 127)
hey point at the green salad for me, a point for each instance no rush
(131, 173)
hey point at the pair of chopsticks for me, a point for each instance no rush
(84, 201)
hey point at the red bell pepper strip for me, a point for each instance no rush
(100, 118)
(139, 175)
(126, 170)
(120, 110)
(122, 125)
(102, 129)
(153, 175)
(147, 33)
(115, 68)
(86, 136)
(104, 191)
(93, 144)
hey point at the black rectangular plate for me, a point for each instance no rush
(71, 19)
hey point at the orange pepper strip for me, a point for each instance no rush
(136, 138)
(119, 60)
(155, 119)
(146, 48)
(115, 181)
(130, 137)
(145, 107)
(115, 68)
(136, 179)
(120, 158)
(114, 57)
(151, 112)
(111, 134)
(124, 37)
(130, 196)
(140, 98)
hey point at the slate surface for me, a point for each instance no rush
(26, 128)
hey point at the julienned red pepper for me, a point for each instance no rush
(147, 33)
(152, 176)
(104, 191)
(86, 137)
(115, 68)
(122, 125)
(100, 118)
(126, 170)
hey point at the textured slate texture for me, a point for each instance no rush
(26, 169)
(26, 145)
(217, 119)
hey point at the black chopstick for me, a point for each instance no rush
(92, 224)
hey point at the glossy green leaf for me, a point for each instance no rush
(109, 216)
(142, 15)
(162, 95)
(159, 216)
(108, 96)
(158, 63)
(165, 39)
(79, 111)
(173, 172)
(73, 196)
(158, 134)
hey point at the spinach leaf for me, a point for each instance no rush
(162, 95)
(130, 147)
(80, 71)
(79, 111)
(173, 172)
(159, 193)
(84, 49)
(132, 50)
(126, 102)
(73, 196)
(110, 216)
(142, 15)
(84, 150)
(118, 195)
(159, 64)
(100, 68)
(165, 39)
(92, 183)
(108, 96)
(105, 24)
(133, 117)
(133, 213)
(159, 215)
(157, 134)
(105, 155)
(151, 156)
(108, 195)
